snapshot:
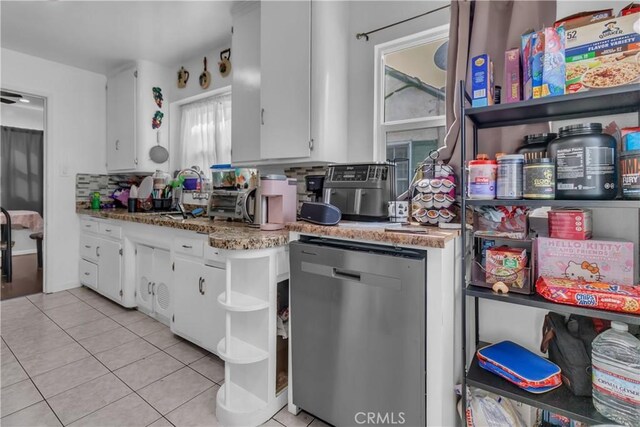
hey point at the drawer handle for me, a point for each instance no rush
(87, 246)
(200, 285)
(108, 230)
(88, 225)
(187, 246)
(86, 273)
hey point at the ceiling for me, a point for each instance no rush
(103, 36)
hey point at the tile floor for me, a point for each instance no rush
(76, 358)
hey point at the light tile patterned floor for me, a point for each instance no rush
(76, 358)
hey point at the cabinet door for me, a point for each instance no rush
(245, 96)
(121, 118)
(162, 281)
(285, 59)
(214, 314)
(144, 277)
(187, 300)
(110, 268)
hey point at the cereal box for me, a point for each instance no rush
(527, 91)
(553, 67)
(536, 63)
(603, 54)
(583, 18)
(481, 81)
(506, 264)
(588, 260)
(512, 88)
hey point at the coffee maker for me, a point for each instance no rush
(278, 201)
(315, 184)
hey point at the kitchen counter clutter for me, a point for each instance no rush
(222, 234)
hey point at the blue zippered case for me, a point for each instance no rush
(520, 366)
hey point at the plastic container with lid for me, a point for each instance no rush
(539, 179)
(630, 174)
(535, 146)
(586, 163)
(615, 356)
(482, 178)
(509, 182)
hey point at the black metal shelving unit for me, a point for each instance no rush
(617, 100)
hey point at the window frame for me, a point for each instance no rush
(380, 127)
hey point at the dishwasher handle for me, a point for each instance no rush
(346, 274)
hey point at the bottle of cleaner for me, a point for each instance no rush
(616, 374)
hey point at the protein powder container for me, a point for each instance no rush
(630, 172)
(509, 183)
(586, 163)
(535, 146)
(482, 178)
(539, 179)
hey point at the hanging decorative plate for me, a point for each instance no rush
(205, 77)
(225, 62)
(183, 77)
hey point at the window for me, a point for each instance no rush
(205, 130)
(410, 78)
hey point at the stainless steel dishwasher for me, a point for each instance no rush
(358, 324)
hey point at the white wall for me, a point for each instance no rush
(365, 16)
(74, 142)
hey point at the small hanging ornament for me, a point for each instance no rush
(224, 66)
(157, 96)
(205, 77)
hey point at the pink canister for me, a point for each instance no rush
(482, 179)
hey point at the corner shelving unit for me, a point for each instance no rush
(249, 396)
(623, 99)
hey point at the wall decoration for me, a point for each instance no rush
(156, 121)
(157, 96)
(205, 77)
(225, 62)
(183, 77)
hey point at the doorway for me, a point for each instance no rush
(22, 158)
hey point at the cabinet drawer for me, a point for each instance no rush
(88, 247)
(110, 230)
(189, 246)
(88, 273)
(88, 226)
(214, 254)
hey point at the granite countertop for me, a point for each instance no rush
(222, 234)
(430, 237)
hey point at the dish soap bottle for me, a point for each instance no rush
(615, 357)
(95, 201)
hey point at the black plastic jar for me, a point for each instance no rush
(586, 163)
(535, 146)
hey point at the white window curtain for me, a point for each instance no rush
(206, 132)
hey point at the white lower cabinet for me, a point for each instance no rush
(196, 313)
(154, 282)
(110, 268)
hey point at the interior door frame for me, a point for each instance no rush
(47, 170)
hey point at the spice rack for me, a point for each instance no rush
(623, 99)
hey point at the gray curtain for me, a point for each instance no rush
(491, 27)
(22, 162)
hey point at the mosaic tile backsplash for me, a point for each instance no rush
(87, 184)
(299, 173)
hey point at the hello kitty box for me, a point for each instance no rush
(608, 261)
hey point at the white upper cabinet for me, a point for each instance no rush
(131, 109)
(245, 95)
(285, 63)
(292, 108)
